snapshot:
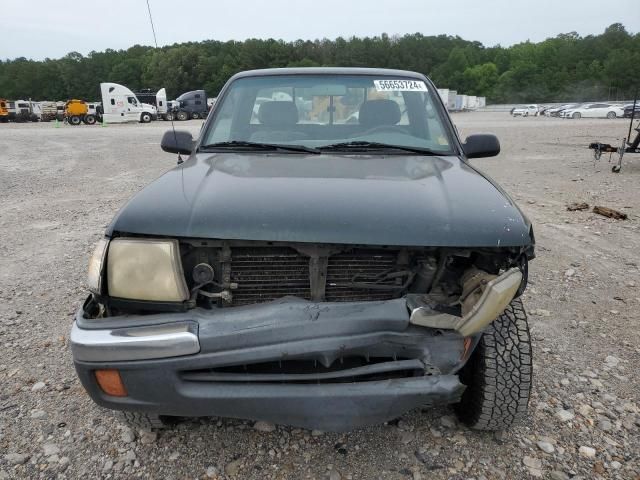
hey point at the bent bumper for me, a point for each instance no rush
(190, 364)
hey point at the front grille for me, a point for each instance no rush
(267, 273)
(360, 265)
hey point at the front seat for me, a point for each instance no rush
(379, 113)
(278, 121)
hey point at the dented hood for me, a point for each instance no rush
(349, 199)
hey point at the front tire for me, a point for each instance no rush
(145, 117)
(182, 116)
(577, 115)
(145, 421)
(611, 115)
(498, 375)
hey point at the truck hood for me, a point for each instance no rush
(348, 199)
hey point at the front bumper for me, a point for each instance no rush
(200, 363)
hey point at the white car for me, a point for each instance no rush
(595, 110)
(529, 110)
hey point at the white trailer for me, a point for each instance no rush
(451, 104)
(461, 101)
(472, 102)
(482, 102)
(120, 105)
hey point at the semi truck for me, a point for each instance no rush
(192, 105)
(121, 105)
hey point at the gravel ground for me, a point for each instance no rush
(59, 188)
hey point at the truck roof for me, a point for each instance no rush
(327, 71)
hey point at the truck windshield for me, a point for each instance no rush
(336, 111)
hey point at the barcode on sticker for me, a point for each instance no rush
(400, 85)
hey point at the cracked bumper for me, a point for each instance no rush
(174, 364)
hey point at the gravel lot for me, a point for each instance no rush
(59, 188)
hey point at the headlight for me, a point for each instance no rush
(141, 269)
(95, 266)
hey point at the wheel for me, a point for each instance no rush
(182, 116)
(145, 421)
(576, 115)
(195, 115)
(611, 115)
(89, 119)
(145, 117)
(75, 120)
(498, 374)
(169, 116)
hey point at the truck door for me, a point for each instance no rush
(133, 109)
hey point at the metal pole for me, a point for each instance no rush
(633, 113)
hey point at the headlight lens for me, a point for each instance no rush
(94, 277)
(142, 269)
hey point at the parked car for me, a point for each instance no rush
(557, 111)
(628, 109)
(529, 110)
(307, 271)
(595, 110)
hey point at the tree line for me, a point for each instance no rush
(567, 67)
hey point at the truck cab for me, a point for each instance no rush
(121, 105)
(192, 105)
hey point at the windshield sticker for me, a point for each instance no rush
(400, 86)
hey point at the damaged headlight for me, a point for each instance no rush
(94, 277)
(146, 269)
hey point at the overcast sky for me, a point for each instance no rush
(52, 28)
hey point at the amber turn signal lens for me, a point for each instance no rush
(111, 383)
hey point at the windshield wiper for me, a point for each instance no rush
(241, 144)
(371, 146)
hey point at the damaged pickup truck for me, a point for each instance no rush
(325, 257)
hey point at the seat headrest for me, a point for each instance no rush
(374, 113)
(278, 114)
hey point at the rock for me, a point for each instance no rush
(232, 468)
(546, 447)
(317, 433)
(128, 457)
(38, 414)
(50, 449)
(605, 425)
(407, 437)
(598, 467)
(108, 465)
(532, 462)
(334, 475)
(38, 386)
(587, 451)
(564, 415)
(128, 435)
(266, 427)
(147, 437)
(541, 312)
(211, 472)
(611, 361)
(585, 410)
(174, 456)
(570, 272)
(615, 465)
(64, 462)
(16, 458)
(558, 475)
(534, 466)
(448, 421)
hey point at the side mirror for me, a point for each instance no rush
(482, 145)
(177, 142)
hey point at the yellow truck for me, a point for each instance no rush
(76, 111)
(4, 111)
